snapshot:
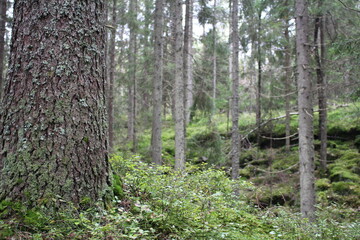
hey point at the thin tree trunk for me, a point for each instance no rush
(306, 135)
(230, 40)
(53, 124)
(156, 143)
(111, 79)
(2, 43)
(259, 83)
(188, 66)
(179, 89)
(132, 75)
(214, 70)
(321, 85)
(235, 136)
(287, 66)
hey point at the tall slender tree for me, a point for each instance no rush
(235, 135)
(259, 76)
(132, 85)
(306, 135)
(112, 64)
(287, 66)
(156, 144)
(188, 64)
(179, 88)
(214, 57)
(319, 52)
(2, 42)
(53, 122)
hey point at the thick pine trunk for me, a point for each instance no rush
(179, 89)
(306, 135)
(2, 43)
(188, 66)
(235, 136)
(53, 125)
(111, 78)
(156, 143)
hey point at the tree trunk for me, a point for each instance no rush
(306, 135)
(259, 83)
(156, 144)
(188, 66)
(179, 89)
(132, 75)
(111, 79)
(53, 125)
(2, 43)
(235, 136)
(287, 66)
(214, 66)
(230, 40)
(321, 85)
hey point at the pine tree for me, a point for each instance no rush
(235, 135)
(53, 123)
(306, 135)
(156, 144)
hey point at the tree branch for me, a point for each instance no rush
(347, 7)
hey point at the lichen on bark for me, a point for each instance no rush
(54, 99)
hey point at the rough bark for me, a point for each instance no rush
(235, 136)
(156, 143)
(287, 66)
(306, 135)
(132, 75)
(110, 92)
(319, 51)
(53, 125)
(188, 66)
(179, 89)
(2, 43)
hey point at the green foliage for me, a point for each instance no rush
(322, 184)
(206, 146)
(288, 225)
(197, 204)
(117, 187)
(159, 203)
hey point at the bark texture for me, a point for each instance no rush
(179, 89)
(156, 143)
(53, 125)
(188, 65)
(235, 136)
(110, 92)
(2, 42)
(306, 135)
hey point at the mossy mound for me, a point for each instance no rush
(343, 182)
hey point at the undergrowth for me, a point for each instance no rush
(158, 203)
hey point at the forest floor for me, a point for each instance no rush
(203, 202)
